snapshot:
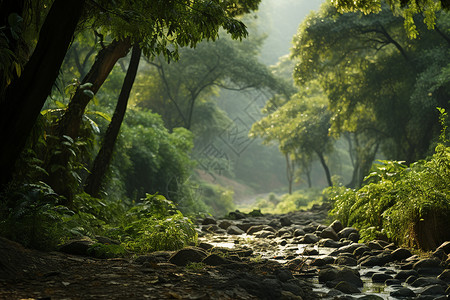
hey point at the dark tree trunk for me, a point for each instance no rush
(290, 171)
(101, 162)
(104, 63)
(325, 167)
(25, 96)
(70, 122)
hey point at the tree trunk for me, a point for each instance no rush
(104, 63)
(70, 122)
(289, 172)
(325, 167)
(25, 96)
(101, 163)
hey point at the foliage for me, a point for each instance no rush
(300, 199)
(218, 199)
(406, 8)
(100, 250)
(409, 205)
(29, 214)
(156, 224)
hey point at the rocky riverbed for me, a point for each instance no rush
(244, 256)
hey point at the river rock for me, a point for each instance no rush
(361, 250)
(440, 254)
(209, 221)
(285, 221)
(224, 224)
(215, 260)
(187, 255)
(234, 230)
(433, 290)
(257, 228)
(427, 263)
(445, 276)
(78, 246)
(329, 243)
(345, 233)
(401, 254)
(344, 274)
(374, 245)
(299, 232)
(265, 234)
(347, 288)
(236, 215)
(426, 281)
(329, 233)
(310, 238)
(445, 246)
(345, 261)
(403, 274)
(354, 237)
(403, 293)
(320, 262)
(337, 226)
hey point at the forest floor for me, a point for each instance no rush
(290, 256)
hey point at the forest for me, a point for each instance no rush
(132, 119)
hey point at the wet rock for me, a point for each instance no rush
(187, 255)
(361, 250)
(236, 215)
(374, 245)
(376, 260)
(77, 247)
(209, 221)
(401, 254)
(403, 293)
(265, 234)
(403, 274)
(245, 226)
(433, 290)
(370, 297)
(329, 233)
(329, 243)
(440, 254)
(347, 288)
(445, 276)
(283, 275)
(310, 238)
(344, 274)
(284, 232)
(224, 224)
(354, 237)
(309, 229)
(275, 224)
(320, 262)
(215, 260)
(285, 221)
(380, 277)
(346, 249)
(411, 279)
(445, 246)
(390, 282)
(299, 232)
(257, 228)
(310, 251)
(337, 226)
(345, 233)
(427, 263)
(234, 230)
(426, 281)
(345, 261)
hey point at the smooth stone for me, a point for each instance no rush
(285, 221)
(310, 238)
(347, 288)
(411, 279)
(403, 274)
(77, 247)
(225, 224)
(403, 293)
(440, 254)
(433, 290)
(329, 233)
(345, 261)
(329, 243)
(427, 263)
(337, 226)
(257, 228)
(445, 246)
(209, 221)
(234, 230)
(187, 255)
(299, 232)
(215, 260)
(445, 276)
(265, 234)
(401, 254)
(320, 262)
(374, 245)
(344, 274)
(354, 237)
(310, 251)
(390, 282)
(370, 297)
(361, 250)
(344, 233)
(426, 281)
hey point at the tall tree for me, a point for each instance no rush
(103, 158)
